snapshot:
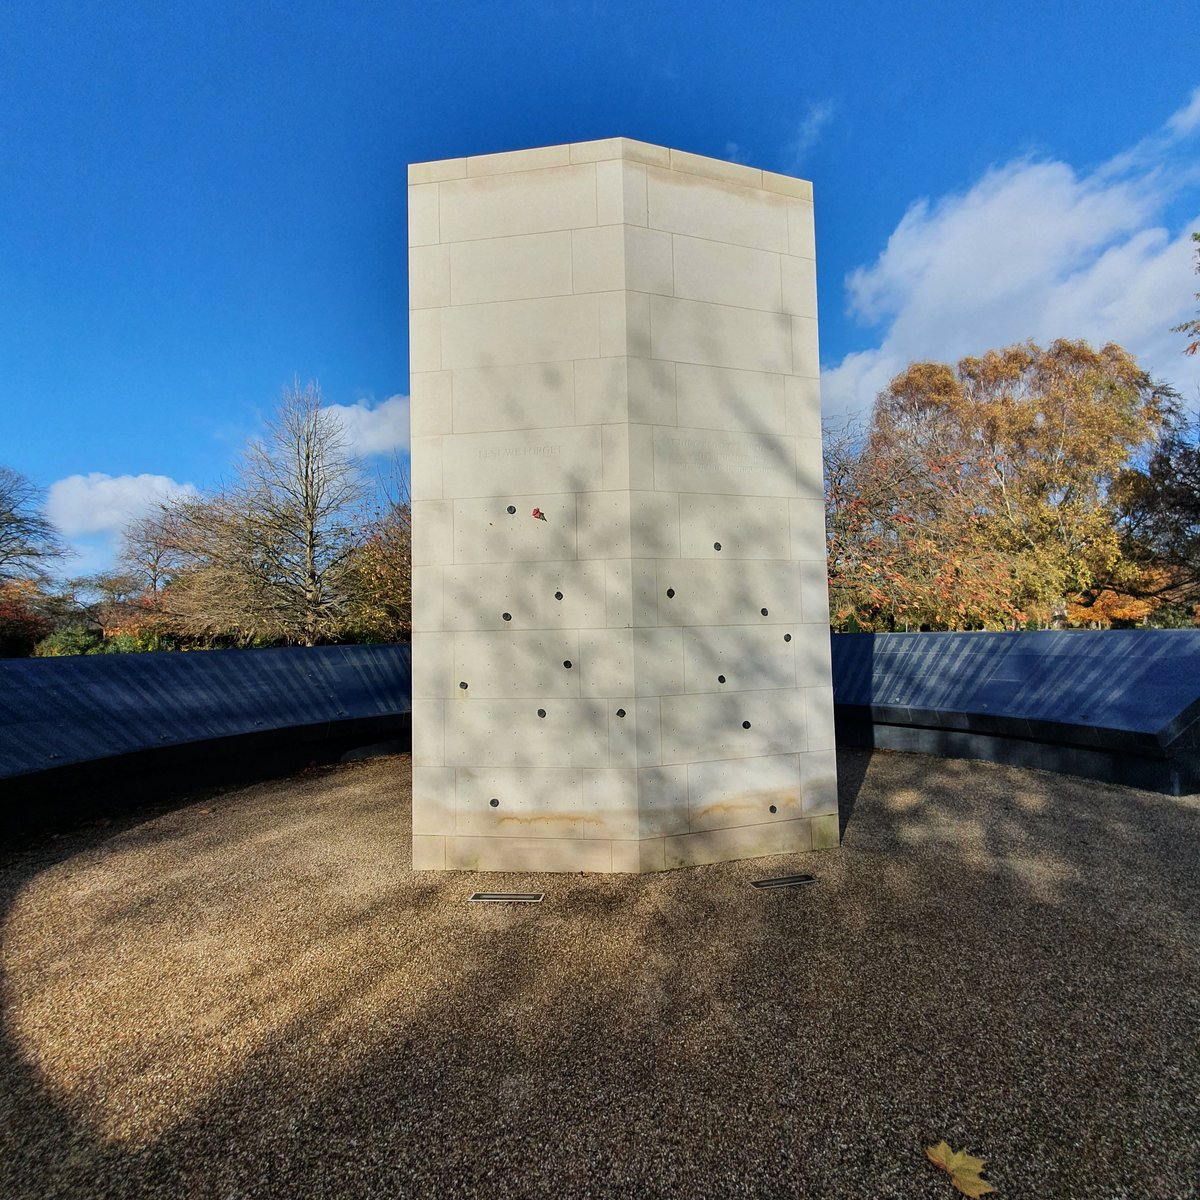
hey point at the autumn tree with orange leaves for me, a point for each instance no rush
(979, 494)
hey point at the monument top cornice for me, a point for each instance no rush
(604, 150)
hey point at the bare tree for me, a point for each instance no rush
(29, 542)
(150, 549)
(271, 557)
(382, 595)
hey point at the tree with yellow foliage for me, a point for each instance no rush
(983, 489)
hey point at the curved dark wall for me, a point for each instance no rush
(94, 735)
(59, 711)
(1119, 705)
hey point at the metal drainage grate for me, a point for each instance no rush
(783, 881)
(506, 897)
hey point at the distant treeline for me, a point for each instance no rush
(301, 548)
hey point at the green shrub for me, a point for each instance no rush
(70, 639)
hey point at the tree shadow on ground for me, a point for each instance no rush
(264, 1000)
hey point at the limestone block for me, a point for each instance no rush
(624, 324)
(431, 409)
(515, 733)
(800, 230)
(428, 853)
(813, 653)
(688, 204)
(520, 396)
(632, 662)
(486, 532)
(429, 276)
(435, 172)
(602, 522)
(726, 463)
(425, 339)
(509, 205)
(649, 263)
(825, 834)
(818, 707)
(521, 663)
(716, 591)
(747, 841)
(803, 403)
(433, 799)
(423, 224)
(620, 193)
(723, 274)
(806, 525)
(654, 524)
(625, 149)
(429, 736)
(493, 853)
(818, 783)
(432, 532)
(651, 392)
(715, 168)
(542, 462)
(565, 595)
(739, 658)
(720, 398)
(720, 335)
(598, 259)
(433, 666)
(662, 801)
(427, 611)
(733, 725)
(510, 268)
(519, 331)
(602, 391)
(805, 357)
(744, 791)
(737, 526)
(814, 590)
(799, 286)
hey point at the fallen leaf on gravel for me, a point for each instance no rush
(204, 812)
(964, 1169)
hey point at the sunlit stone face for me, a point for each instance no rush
(620, 619)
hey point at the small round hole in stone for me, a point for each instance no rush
(787, 637)
(720, 678)
(507, 616)
(512, 509)
(620, 712)
(494, 802)
(670, 593)
(558, 595)
(463, 685)
(774, 809)
(745, 724)
(716, 545)
(567, 663)
(541, 712)
(763, 611)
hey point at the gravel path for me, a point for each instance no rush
(251, 996)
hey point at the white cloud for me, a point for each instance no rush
(1034, 249)
(96, 503)
(1187, 119)
(808, 133)
(378, 430)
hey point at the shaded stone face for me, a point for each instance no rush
(620, 620)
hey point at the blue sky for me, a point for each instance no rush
(199, 201)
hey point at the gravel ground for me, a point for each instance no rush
(251, 995)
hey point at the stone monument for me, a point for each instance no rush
(620, 617)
